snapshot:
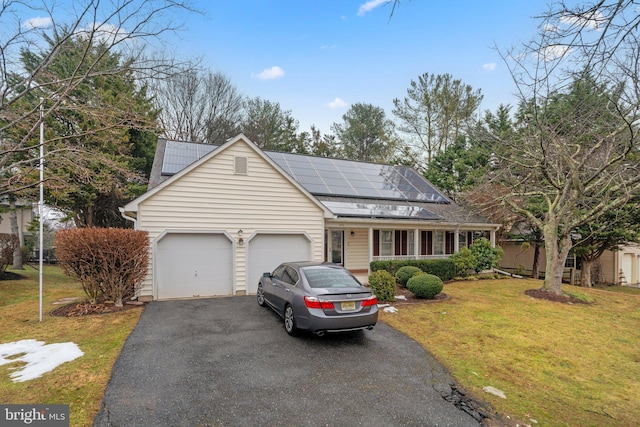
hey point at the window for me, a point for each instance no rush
(290, 276)
(438, 242)
(462, 240)
(386, 243)
(393, 242)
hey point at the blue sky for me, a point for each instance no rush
(316, 58)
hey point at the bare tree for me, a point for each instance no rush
(122, 26)
(436, 111)
(198, 106)
(575, 155)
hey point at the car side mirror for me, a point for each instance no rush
(266, 275)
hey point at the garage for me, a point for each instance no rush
(267, 251)
(192, 265)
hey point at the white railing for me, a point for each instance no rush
(408, 257)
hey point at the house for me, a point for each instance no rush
(218, 217)
(24, 214)
(621, 267)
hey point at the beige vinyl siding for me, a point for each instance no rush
(357, 249)
(212, 197)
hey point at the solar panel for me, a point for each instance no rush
(326, 176)
(378, 210)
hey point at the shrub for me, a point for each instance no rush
(464, 260)
(107, 261)
(443, 268)
(425, 286)
(383, 285)
(405, 273)
(486, 256)
(8, 244)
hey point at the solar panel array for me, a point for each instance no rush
(179, 155)
(325, 176)
(346, 178)
(379, 210)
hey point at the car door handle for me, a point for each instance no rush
(287, 289)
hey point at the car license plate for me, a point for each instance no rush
(348, 305)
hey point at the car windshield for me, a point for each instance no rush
(322, 277)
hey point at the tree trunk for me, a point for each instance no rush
(13, 219)
(585, 273)
(536, 261)
(557, 248)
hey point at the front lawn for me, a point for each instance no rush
(79, 383)
(558, 364)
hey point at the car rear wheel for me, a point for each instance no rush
(289, 321)
(260, 296)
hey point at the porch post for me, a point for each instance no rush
(492, 236)
(416, 243)
(456, 240)
(370, 249)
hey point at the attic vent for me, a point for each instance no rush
(240, 165)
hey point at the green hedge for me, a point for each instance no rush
(443, 268)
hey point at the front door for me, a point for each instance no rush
(335, 247)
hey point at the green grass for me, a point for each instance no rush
(79, 383)
(561, 365)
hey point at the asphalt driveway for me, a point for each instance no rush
(229, 362)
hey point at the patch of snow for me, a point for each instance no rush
(383, 305)
(402, 297)
(494, 391)
(38, 356)
(390, 310)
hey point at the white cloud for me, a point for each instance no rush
(335, 104)
(37, 22)
(553, 52)
(594, 21)
(105, 33)
(489, 67)
(36, 357)
(370, 5)
(327, 46)
(274, 72)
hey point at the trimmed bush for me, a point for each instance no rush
(383, 285)
(111, 262)
(425, 286)
(443, 268)
(464, 261)
(405, 273)
(486, 256)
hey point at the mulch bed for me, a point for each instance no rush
(85, 308)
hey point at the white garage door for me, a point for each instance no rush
(267, 251)
(194, 265)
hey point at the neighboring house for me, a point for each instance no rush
(218, 217)
(621, 267)
(25, 215)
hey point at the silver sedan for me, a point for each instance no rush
(318, 297)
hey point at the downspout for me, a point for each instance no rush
(129, 218)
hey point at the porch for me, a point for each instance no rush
(356, 247)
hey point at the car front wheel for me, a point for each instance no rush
(289, 321)
(260, 296)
